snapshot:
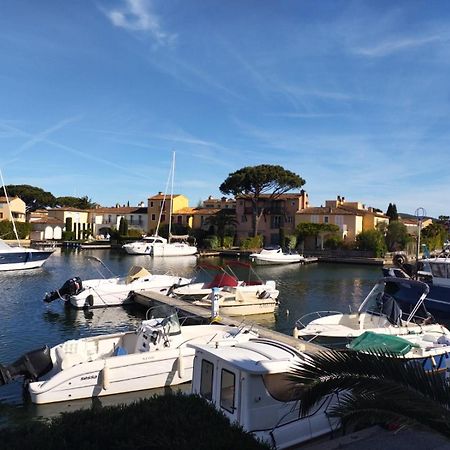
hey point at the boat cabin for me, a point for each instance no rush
(249, 383)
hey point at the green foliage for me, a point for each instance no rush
(75, 202)
(392, 212)
(134, 232)
(305, 229)
(396, 236)
(371, 240)
(123, 227)
(228, 241)
(69, 224)
(334, 242)
(434, 236)
(224, 222)
(7, 230)
(211, 242)
(253, 181)
(180, 422)
(252, 243)
(68, 236)
(374, 388)
(33, 197)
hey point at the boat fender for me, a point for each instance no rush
(105, 377)
(89, 301)
(180, 364)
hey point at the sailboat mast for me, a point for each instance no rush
(171, 198)
(9, 207)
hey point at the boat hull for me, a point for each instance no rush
(23, 259)
(116, 375)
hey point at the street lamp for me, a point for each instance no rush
(420, 214)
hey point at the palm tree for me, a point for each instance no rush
(374, 388)
(222, 221)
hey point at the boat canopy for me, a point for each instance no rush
(381, 343)
(221, 280)
(137, 272)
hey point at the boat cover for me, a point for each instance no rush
(137, 272)
(379, 342)
(221, 280)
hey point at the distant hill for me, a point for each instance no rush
(413, 216)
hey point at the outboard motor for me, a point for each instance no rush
(32, 365)
(73, 286)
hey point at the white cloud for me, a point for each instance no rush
(137, 15)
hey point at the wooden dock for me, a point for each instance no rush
(151, 299)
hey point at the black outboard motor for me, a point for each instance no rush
(73, 286)
(32, 365)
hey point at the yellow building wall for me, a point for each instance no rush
(17, 210)
(178, 202)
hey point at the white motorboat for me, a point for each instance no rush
(248, 382)
(159, 353)
(18, 257)
(379, 313)
(114, 291)
(158, 246)
(243, 300)
(431, 350)
(275, 255)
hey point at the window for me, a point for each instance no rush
(227, 390)
(275, 221)
(151, 204)
(206, 379)
(280, 387)
(153, 216)
(289, 219)
(131, 219)
(326, 219)
(109, 218)
(163, 218)
(180, 219)
(243, 218)
(139, 220)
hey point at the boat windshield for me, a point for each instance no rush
(384, 297)
(172, 325)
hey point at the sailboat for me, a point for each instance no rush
(156, 245)
(18, 257)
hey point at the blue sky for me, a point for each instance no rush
(354, 96)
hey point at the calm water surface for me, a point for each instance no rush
(27, 323)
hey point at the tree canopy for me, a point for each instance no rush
(396, 236)
(252, 182)
(392, 212)
(36, 198)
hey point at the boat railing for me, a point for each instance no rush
(304, 320)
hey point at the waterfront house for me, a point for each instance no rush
(46, 228)
(278, 215)
(351, 217)
(15, 211)
(79, 218)
(160, 205)
(103, 219)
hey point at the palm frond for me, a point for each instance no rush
(380, 377)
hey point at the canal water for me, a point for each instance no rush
(27, 323)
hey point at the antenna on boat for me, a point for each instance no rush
(102, 263)
(9, 207)
(163, 204)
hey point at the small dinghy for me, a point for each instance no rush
(159, 353)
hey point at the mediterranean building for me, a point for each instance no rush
(103, 219)
(351, 217)
(79, 218)
(159, 206)
(278, 215)
(15, 211)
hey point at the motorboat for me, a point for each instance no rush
(431, 350)
(435, 271)
(18, 257)
(217, 277)
(223, 277)
(379, 312)
(242, 300)
(159, 353)
(275, 255)
(176, 245)
(114, 291)
(249, 383)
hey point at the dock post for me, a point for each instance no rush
(214, 303)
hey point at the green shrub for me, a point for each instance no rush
(228, 241)
(179, 421)
(251, 243)
(211, 242)
(334, 242)
(7, 230)
(371, 240)
(134, 232)
(68, 235)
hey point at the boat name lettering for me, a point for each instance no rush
(89, 377)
